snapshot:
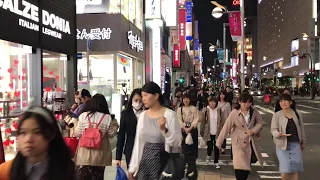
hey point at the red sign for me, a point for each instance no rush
(236, 2)
(235, 25)
(176, 56)
(182, 29)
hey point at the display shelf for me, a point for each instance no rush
(9, 128)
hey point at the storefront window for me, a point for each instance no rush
(14, 90)
(124, 74)
(139, 76)
(101, 75)
(54, 72)
(132, 10)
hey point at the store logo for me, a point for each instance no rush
(135, 41)
(94, 34)
(181, 29)
(31, 12)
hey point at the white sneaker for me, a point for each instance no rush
(208, 159)
(217, 165)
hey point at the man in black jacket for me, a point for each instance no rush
(229, 96)
(278, 107)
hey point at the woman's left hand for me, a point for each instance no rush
(302, 146)
(162, 123)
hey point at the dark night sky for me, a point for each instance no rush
(211, 29)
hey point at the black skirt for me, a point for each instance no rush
(90, 172)
(150, 164)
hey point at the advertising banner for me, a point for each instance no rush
(182, 29)
(152, 9)
(176, 56)
(235, 25)
(188, 20)
(196, 44)
(220, 53)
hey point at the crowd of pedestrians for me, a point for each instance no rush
(152, 127)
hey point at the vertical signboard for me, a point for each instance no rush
(153, 9)
(176, 56)
(182, 28)
(235, 25)
(188, 20)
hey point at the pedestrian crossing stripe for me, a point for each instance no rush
(269, 174)
(262, 110)
(229, 163)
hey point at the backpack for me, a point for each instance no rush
(92, 137)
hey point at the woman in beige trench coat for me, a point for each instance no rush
(243, 124)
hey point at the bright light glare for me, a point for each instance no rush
(217, 12)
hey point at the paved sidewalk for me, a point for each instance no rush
(110, 174)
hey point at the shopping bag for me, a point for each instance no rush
(121, 175)
(203, 143)
(72, 143)
(189, 140)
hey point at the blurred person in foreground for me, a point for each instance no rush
(43, 153)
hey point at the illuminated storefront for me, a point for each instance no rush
(116, 54)
(37, 49)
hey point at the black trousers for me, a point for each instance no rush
(212, 145)
(241, 174)
(224, 144)
(128, 159)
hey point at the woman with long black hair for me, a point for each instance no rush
(91, 162)
(224, 111)
(128, 124)
(42, 153)
(243, 125)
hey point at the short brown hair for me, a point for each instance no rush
(211, 99)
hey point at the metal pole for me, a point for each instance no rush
(312, 90)
(225, 54)
(242, 46)
(88, 61)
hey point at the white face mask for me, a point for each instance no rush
(136, 105)
(77, 101)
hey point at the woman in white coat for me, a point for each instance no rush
(158, 130)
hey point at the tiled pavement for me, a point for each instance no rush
(110, 174)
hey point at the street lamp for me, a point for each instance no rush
(217, 13)
(305, 37)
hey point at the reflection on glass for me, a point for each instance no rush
(101, 75)
(14, 90)
(54, 72)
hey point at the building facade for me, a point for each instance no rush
(282, 25)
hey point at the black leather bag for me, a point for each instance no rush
(173, 166)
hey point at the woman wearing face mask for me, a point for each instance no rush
(243, 125)
(43, 154)
(128, 123)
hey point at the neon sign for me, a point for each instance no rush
(236, 2)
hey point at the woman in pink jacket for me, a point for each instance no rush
(243, 124)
